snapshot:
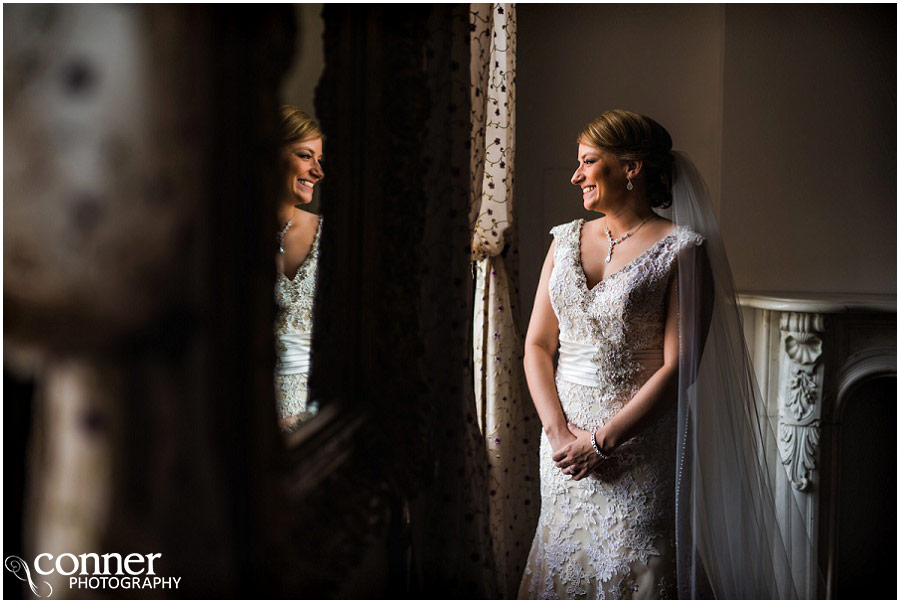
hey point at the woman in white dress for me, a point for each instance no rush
(658, 463)
(296, 263)
(606, 302)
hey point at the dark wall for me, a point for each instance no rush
(17, 396)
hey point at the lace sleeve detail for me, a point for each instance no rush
(565, 235)
(688, 237)
(564, 231)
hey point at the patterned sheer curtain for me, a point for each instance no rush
(505, 412)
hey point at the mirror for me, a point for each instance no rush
(298, 221)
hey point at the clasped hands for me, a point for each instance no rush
(574, 455)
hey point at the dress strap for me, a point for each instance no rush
(680, 238)
(566, 236)
(687, 237)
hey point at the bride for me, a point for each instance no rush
(296, 262)
(647, 407)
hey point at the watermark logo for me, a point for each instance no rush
(18, 567)
(110, 571)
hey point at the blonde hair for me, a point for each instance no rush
(296, 125)
(632, 137)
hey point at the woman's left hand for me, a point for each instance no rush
(577, 458)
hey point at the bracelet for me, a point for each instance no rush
(599, 452)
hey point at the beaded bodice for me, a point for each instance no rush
(622, 314)
(293, 325)
(294, 297)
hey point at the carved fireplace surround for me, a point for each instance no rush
(810, 352)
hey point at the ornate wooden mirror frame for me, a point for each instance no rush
(173, 416)
(399, 165)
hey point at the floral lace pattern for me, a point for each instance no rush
(611, 535)
(294, 301)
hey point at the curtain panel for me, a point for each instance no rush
(505, 413)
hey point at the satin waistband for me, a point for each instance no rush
(577, 365)
(295, 358)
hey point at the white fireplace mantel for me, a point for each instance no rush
(810, 351)
(821, 303)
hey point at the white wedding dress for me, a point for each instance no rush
(293, 335)
(610, 535)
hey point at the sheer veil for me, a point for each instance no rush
(737, 535)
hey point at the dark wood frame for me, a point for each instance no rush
(372, 103)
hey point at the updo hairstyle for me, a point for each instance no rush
(632, 137)
(296, 126)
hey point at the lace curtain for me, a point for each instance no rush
(505, 412)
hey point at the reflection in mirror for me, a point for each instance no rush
(298, 224)
(296, 262)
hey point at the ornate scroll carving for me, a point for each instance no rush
(798, 446)
(800, 395)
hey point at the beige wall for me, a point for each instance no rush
(299, 84)
(754, 94)
(809, 147)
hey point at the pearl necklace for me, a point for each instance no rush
(614, 242)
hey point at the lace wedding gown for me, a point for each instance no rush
(610, 535)
(293, 335)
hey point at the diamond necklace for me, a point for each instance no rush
(614, 242)
(283, 232)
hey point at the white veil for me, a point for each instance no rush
(734, 539)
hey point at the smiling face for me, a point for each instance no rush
(303, 168)
(600, 176)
